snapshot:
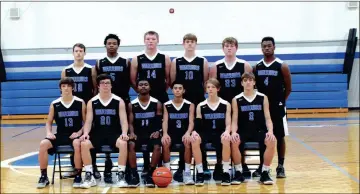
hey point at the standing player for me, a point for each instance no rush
(106, 124)
(213, 122)
(273, 79)
(145, 114)
(178, 123)
(192, 72)
(81, 73)
(68, 111)
(229, 70)
(251, 120)
(153, 66)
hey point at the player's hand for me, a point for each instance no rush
(132, 136)
(50, 136)
(186, 138)
(124, 137)
(270, 136)
(235, 138)
(155, 135)
(226, 136)
(194, 136)
(166, 139)
(74, 135)
(84, 137)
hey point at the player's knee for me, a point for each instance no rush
(197, 141)
(225, 142)
(44, 145)
(85, 145)
(157, 149)
(121, 143)
(235, 146)
(76, 144)
(131, 147)
(187, 145)
(165, 145)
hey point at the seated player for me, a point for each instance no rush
(106, 124)
(178, 123)
(68, 111)
(251, 120)
(145, 114)
(213, 122)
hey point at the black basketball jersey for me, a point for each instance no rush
(213, 118)
(83, 81)
(270, 80)
(178, 117)
(251, 117)
(190, 72)
(68, 117)
(120, 75)
(144, 117)
(153, 69)
(106, 120)
(229, 77)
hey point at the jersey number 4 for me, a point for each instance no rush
(151, 74)
(266, 81)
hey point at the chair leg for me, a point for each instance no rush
(59, 166)
(53, 174)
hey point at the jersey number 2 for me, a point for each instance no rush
(151, 74)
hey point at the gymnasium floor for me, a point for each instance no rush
(322, 157)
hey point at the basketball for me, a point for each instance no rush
(162, 177)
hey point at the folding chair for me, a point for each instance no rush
(63, 149)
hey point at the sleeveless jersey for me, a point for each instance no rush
(191, 74)
(251, 117)
(230, 78)
(270, 80)
(68, 118)
(119, 72)
(144, 117)
(213, 118)
(178, 117)
(106, 120)
(83, 81)
(153, 69)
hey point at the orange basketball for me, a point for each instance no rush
(162, 177)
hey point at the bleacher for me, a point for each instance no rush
(315, 86)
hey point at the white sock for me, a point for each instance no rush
(89, 168)
(187, 167)
(226, 166)
(265, 168)
(121, 168)
(167, 165)
(238, 167)
(199, 168)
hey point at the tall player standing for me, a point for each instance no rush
(273, 78)
(81, 73)
(192, 72)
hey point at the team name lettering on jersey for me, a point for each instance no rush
(144, 115)
(248, 108)
(105, 112)
(151, 65)
(178, 115)
(113, 68)
(214, 116)
(68, 113)
(268, 72)
(189, 67)
(230, 75)
(80, 78)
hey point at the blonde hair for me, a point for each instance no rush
(230, 40)
(214, 82)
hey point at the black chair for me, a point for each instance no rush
(63, 149)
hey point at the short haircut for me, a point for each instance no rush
(176, 82)
(112, 36)
(66, 80)
(247, 75)
(142, 79)
(230, 40)
(101, 77)
(214, 82)
(268, 38)
(151, 33)
(80, 45)
(190, 36)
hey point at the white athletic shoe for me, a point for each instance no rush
(120, 180)
(89, 181)
(188, 179)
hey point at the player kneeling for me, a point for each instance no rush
(68, 111)
(106, 115)
(251, 118)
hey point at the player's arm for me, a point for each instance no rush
(63, 73)
(228, 118)
(173, 71)
(88, 121)
(248, 67)
(158, 122)
(191, 119)
(123, 117)
(167, 71)
(83, 111)
(49, 123)
(94, 74)
(133, 72)
(206, 70)
(198, 123)
(287, 79)
(213, 71)
(165, 122)
(234, 119)
(269, 124)
(131, 121)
